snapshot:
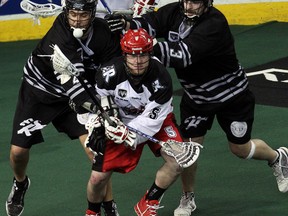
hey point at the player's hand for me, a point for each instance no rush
(120, 133)
(93, 121)
(116, 22)
(96, 133)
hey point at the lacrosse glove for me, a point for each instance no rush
(120, 133)
(141, 7)
(117, 22)
(95, 140)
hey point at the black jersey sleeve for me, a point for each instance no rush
(210, 36)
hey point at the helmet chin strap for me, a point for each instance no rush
(192, 19)
(78, 32)
(196, 13)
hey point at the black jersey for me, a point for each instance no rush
(144, 106)
(97, 48)
(203, 54)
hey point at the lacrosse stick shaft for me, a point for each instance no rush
(146, 136)
(104, 3)
(120, 11)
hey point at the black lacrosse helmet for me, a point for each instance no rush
(84, 5)
(81, 5)
(206, 4)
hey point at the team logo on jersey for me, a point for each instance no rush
(173, 36)
(156, 85)
(108, 72)
(30, 125)
(194, 121)
(154, 113)
(238, 129)
(122, 93)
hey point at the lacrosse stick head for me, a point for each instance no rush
(79, 15)
(40, 10)
(185, 153)
(62, 64)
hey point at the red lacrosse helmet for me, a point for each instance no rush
(136, 41)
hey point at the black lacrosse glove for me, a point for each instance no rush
(117, 22)
(96, 141)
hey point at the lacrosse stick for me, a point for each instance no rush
(105, 5)
(40, 10)
(109, 11)
(125, 12)
(62, 65)
(185, 153)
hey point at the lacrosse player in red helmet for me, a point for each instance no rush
(199, 45)
(141, 88)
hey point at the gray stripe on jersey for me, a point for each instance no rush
(217, 90)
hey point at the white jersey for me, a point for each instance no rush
(144, 106)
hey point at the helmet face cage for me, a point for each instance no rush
(206, 4)
(81, 5)
(137, 46)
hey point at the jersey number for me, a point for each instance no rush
(175, 54)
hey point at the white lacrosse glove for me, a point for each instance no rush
(120, 133)
(93, 121)
(141, 7)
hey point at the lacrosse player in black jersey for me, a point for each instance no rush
(200, 47)
(141, 89)
(43, 98)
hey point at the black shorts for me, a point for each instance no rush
(235, 118)
(35, 110)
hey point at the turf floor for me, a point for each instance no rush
(226, 185)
